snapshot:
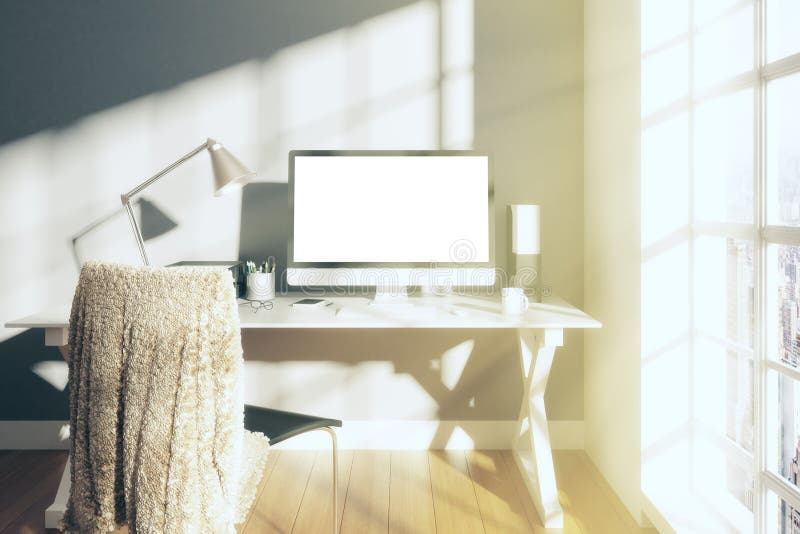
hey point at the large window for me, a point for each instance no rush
(721, 215)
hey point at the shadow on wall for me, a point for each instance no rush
(264, 228)
(126, 93)
(418, 375)
(152, 223)
(64, 63)
(26, 394)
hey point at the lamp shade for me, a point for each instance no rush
(525, 229)
(229, 172)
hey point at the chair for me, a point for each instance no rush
(279, 426)
(146, 376)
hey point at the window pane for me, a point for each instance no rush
(783, 20)
(724, 48)
(665, 179)
(783, 426)
(783, 150)
(781, 518)
(707, 11)
(783, 293)
(724, 294)
(723, 480)
(663, 21)
(723, 158)
(665, 78)
(723, 392)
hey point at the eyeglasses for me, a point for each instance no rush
(257, 305)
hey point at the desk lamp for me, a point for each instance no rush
(525, 244)
(229, 174)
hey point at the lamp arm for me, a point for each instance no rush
(153, 179)
(126, 197)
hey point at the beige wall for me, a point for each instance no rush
(529, 114)
(612, 243)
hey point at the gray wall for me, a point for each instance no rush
(97, 95)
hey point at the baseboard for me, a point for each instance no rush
(34, 435)
(566, 435)
(396, 435)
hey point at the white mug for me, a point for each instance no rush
(514, 301)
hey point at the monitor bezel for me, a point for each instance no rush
(380, 153)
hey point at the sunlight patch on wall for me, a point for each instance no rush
(54, 373)
(454, 361)
(378, 95)
(328, 387)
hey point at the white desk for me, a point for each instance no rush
(540, 330)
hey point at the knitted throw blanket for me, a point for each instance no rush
(156, 403)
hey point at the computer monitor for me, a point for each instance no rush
(390, 219)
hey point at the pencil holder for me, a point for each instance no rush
(260, 286)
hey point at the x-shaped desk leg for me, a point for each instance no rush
(531, 444)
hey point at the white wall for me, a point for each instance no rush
(612, 238)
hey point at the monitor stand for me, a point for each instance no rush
(391, 296)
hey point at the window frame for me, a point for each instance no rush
(766, 235)
(762, 234)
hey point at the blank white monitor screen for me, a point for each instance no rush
(391, 209)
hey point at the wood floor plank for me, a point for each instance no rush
(464, 492)
(345, 469)
(38, 498)
(596, 513)
(277, 506)
(501, 508)
(315, 510)
(20, 462)
(410, 494)
(587, 466)
(572, 523)
(522, 492)
(272, 460)
(8, 460)
(34, 474)
(454, 501)
(366, 508)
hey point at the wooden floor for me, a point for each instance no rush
(380, 491)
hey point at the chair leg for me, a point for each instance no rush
(335, 512)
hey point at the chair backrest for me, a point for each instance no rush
(156, 399)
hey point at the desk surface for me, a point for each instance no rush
(452, 311)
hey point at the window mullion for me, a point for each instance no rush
(781, 235)
(759, 213)
(782, 488)
(788, 370)
(741, 231)
(781, 67)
